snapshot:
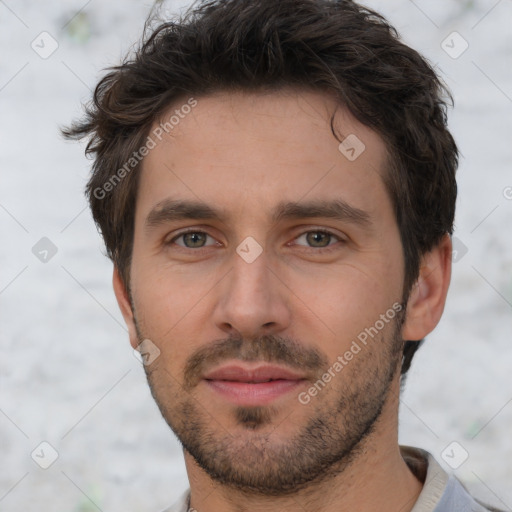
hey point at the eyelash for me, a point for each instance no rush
(328, 248)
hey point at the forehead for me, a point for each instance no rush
(239, 149)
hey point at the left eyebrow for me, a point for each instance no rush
(170, 210)
(336, 209)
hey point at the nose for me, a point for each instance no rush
(252, 299)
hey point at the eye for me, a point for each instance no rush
(191, 239)
(315, 239)
(319, 238)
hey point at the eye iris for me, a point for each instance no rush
(316, 236)
(194, 238)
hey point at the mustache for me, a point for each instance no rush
(267, 348)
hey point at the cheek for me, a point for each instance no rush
(171, 307)
(352, 290)
(167, 292)
(352, 304)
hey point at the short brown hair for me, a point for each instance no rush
(335, 46)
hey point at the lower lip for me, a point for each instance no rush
(261, 393)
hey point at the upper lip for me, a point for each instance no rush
(262, 373)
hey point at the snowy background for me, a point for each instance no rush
(68, 376)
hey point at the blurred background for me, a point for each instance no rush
(73, 397)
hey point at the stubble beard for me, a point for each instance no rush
(251, 458)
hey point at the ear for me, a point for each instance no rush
(428, 295)
(123, 299)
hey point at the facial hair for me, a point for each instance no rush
(254, 462)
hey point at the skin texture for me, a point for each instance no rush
(301, 304)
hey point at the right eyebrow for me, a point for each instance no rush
(170, 210)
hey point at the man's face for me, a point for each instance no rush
(270, 290)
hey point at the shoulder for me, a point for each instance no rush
(488, 507)
(457, 497)
(442, 492)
